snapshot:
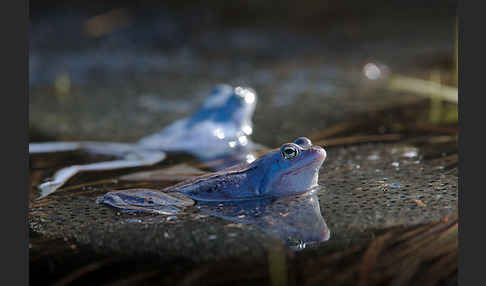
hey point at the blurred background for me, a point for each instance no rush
(119, 70)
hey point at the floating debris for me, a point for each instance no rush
(171, 218)
(419, 203)
(234, 225)
(410, 154)
(394, 185)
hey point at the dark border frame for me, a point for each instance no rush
(14, 119)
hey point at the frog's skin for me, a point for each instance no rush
(291, 170)
(219, 129)
(221, 126)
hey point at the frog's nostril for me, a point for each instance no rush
(320, 151)
(304, 142)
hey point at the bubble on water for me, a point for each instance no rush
(170, 218)
(410, 154)
(394, 185)
(372, 71)
(212, 237)
(395, 164)
(373, 157)
(134, 220)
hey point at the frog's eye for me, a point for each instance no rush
(303, 142)
(289, 151)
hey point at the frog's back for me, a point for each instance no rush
(230, 184)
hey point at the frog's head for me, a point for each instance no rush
(228, 105)
(293, 169)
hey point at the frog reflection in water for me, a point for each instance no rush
(297, 220)
(218, 130)
(278, 177)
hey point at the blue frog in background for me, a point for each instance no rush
(219, 131)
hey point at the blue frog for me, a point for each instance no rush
(219, 129)
(291, 170)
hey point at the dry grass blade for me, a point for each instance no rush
(403, 261)
(419, 255)
(83, 271)
(333, 130)
(358, 139)
(423, 87)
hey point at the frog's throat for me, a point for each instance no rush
(266, 180)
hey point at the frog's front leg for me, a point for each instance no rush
(134, 159)
(146, 200)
